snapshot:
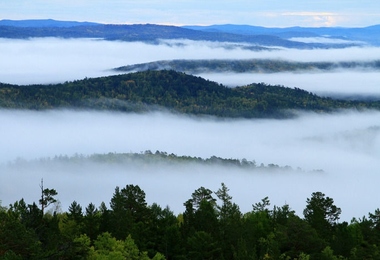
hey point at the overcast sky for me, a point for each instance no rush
(271, 13)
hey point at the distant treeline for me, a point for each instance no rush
(247, 65)
(210, 227)
(173, 91)
(150, 158)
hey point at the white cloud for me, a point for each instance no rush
(53, 60)
(346, 146)
(316, 19)
(339, 83)
(325, 40)
(50, 60)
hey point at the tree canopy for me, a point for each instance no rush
(172, 91)
(211, 227)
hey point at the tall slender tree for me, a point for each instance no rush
(47, 196)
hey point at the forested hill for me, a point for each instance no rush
(247, 65)
(174, 91)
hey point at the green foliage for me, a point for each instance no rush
(173, 91)
(201, 245)
(321, 213)
(16, 240)
(213, 229)
(107, 247)
(328, 254)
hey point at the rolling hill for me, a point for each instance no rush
(173, 91)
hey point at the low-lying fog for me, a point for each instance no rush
(346, 146)
(52, 60)
(338, 84)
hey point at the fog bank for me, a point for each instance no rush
(53, 60)
(346, 146)
(341, 83)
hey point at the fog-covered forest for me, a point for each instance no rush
(221, 150)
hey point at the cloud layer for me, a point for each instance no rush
(58, 60)
(339, 83)
(345, 146)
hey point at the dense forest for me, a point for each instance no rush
(173, 91)
(247, 65)
(210, 227)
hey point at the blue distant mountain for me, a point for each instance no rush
(151, 33)
(44, 23)
(369, 35)
(258, 37)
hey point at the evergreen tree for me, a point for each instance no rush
(321, 214)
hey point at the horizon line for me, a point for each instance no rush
(180, 25)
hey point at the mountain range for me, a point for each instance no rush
(369, 35)
(255, 36)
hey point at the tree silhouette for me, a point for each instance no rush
(47, 196)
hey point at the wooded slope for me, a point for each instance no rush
(174, 91)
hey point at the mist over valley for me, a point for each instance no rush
(189, 130)
(344, 145)
(53, 60)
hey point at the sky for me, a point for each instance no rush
(269, 13)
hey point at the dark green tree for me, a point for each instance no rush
(72, 223)
(230, 222)
(202, 246)
(164, 231)
(130, 214)
(75, 212)
(321, 214)
(300, 238)
(91, 222)
(202, 194)
(16, 240)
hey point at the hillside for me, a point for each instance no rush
(174, 91)
(246, 65)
